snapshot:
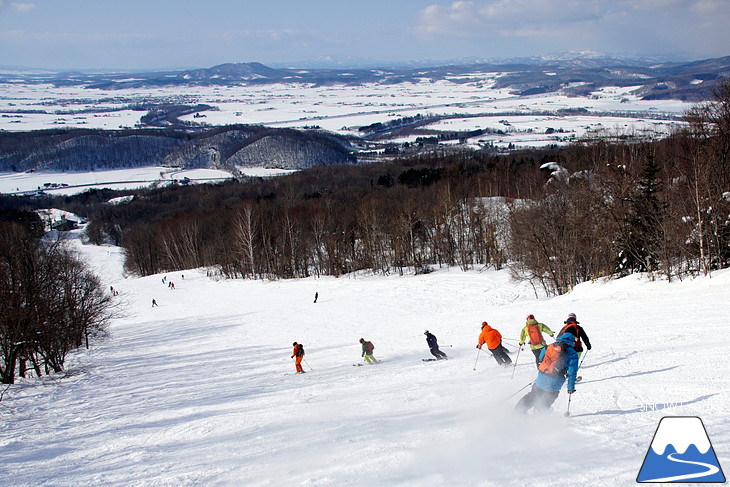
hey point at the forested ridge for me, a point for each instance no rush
(228, 147)
(596, 208)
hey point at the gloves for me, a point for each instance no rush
(521, 345)
(479, 347)
(588, 347)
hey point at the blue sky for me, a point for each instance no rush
(156, 34)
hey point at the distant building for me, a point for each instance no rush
(64, 225)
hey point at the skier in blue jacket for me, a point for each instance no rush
(552, 372)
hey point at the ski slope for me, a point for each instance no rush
(200, 391)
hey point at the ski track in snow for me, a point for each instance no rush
(201, 390)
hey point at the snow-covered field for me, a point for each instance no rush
(200, 391)
(339, 108)
(66, 183)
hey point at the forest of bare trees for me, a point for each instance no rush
(50, 301)
(604, 207)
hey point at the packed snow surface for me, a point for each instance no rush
(200, 391)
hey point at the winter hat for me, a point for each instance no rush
(572, 315)
(362, 340)
(425, 332)
(294, 344)
(530, 317)
(484, 323)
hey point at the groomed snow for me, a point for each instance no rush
(200, 391)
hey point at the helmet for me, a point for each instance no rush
(530, 317)
(484, 323)
(572, 315)
(294, 344)
(362, 340)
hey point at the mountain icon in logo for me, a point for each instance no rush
(681, 452)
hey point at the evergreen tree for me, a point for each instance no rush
(643, 238)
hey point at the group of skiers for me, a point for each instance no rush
(555, 362)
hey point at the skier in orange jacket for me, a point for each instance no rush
(493, 339)
(298, 355)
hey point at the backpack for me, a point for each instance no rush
(369, 347)
(553, 363)
(573, 328)
(534, 333)
(300, 351)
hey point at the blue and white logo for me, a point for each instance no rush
(681, 452)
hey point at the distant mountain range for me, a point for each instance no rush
(577, 73)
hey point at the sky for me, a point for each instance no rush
(163, 34)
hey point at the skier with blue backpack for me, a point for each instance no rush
(558, 361)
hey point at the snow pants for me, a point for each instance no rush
(369, 358)
(536, 352)
(538, 399)
(438, 353)
(500, 355)
(298, 364)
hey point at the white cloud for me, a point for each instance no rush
(607, 25)
(22, 7)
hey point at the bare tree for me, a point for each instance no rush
(50, 303)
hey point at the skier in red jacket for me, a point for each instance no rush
(298, 356)
(493, 339)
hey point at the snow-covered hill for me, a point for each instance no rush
(201, 391)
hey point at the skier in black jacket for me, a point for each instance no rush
(572, 325)
(434, 346)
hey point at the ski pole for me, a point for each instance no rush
(477, 360)
(581, 360)
(514, 367)
(513, 395)
(305, 361)
(567, 413)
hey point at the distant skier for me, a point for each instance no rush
(572, 326)
(534, 330)
(367, 351)
(557, 361)
(316, 295)
(154, 303)
(434, 346)
(493, 339)
(298, 356)
(171, 285)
